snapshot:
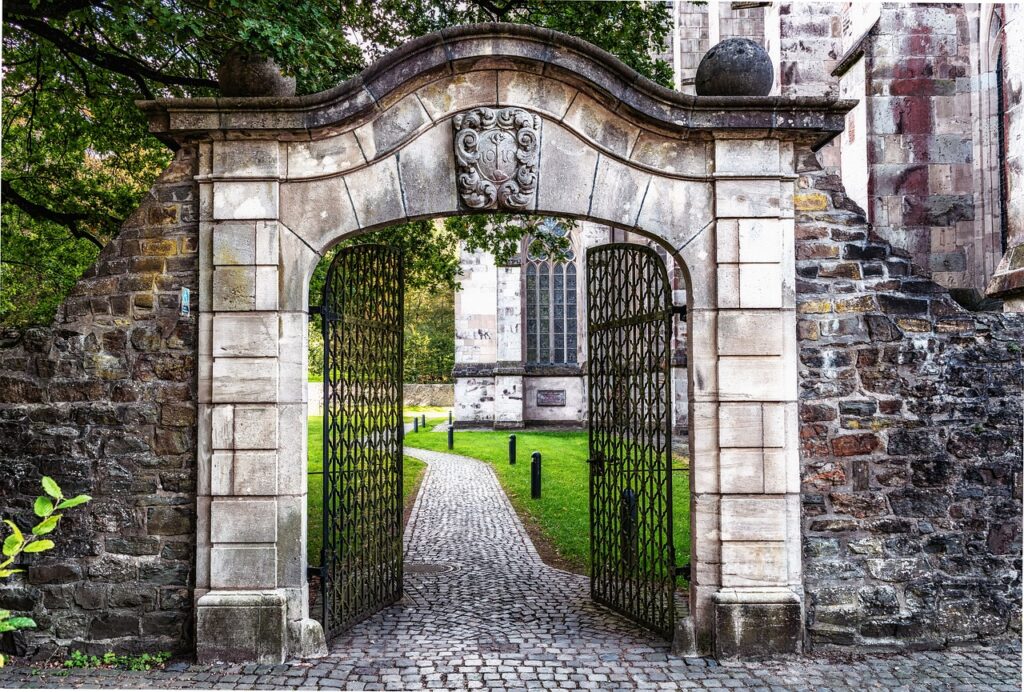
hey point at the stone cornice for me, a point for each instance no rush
(812, 121)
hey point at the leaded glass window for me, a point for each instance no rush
(550, 287)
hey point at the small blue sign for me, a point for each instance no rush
(186, 298)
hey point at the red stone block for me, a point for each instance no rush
(855, 445)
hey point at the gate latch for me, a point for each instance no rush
(679, 311)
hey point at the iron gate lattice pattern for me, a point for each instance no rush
(629, 327)
(362, 481)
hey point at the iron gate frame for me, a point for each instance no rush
(622, 584)
(377, 276)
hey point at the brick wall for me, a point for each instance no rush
(911, 444)
(104, 401)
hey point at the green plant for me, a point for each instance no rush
(46, 508)
(112, 660)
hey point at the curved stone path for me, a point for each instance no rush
(481, 611)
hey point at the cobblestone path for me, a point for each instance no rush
(482, 611)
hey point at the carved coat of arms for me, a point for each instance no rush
(496, 154)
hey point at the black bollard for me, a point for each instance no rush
(415, 424)
(512, 450)
(424, 421)
(535, 476)
(451, 437)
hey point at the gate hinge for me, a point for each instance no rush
(679, 311)
(315, 310)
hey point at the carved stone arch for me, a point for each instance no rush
(575, 133)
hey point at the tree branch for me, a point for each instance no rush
(130, 67)
(70, 221)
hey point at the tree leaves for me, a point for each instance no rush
(43, 506)
(45, 526)
(39, 546)
(51, 488)
(74, 501)
(77, 151)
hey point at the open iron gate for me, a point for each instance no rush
(629, 327)
(361, 564)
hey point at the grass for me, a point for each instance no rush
(559, 522)
(435, 414)
(413, 470)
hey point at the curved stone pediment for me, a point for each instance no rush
(560, 66)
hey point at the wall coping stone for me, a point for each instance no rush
(814, 120)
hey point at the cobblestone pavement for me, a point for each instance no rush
(482, 611)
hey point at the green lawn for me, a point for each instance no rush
(562, 516)
(413, 470)
(435, 414)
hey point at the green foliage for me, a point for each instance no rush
(111, 660)
(429, 348)
(16, 542)
(76, 154)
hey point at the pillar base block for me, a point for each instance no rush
(241, 626)
(757, 623)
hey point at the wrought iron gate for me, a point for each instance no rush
(629, 327)
(361, 565)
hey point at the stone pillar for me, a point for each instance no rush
(508, 370)
(251, 562)
(757, 602)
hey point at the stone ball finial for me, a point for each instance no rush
(244, 73)
(735, 67)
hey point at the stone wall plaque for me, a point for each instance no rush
(496, 153)
(551, 397)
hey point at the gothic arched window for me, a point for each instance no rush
(550, 286)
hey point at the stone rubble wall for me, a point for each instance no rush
(911, 452)
(104, 401)
(419, 394)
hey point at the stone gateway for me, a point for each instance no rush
(854, 434)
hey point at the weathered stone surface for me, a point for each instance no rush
(914, 460)
(735, 67)
(136, 371)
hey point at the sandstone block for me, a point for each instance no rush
(747, 156)
(748, 198)
(246, 158)
(255, 427)
(376, 193)
(749, 333)
(739, 425)
(318, 211)
(324, 156)
(255, 473)
(758, 563)
(251, 335)
(234, 288)
(601, 126)
(754, 519)
(741, 471)
(245, 200)
(547, 96)
(567, 169)
(618, 192)
(459, 92)
(245, 380)
(390, 128)
(243, 521)
(427, 167)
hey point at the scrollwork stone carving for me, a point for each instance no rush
(496, 153)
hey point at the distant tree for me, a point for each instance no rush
(76, 154)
